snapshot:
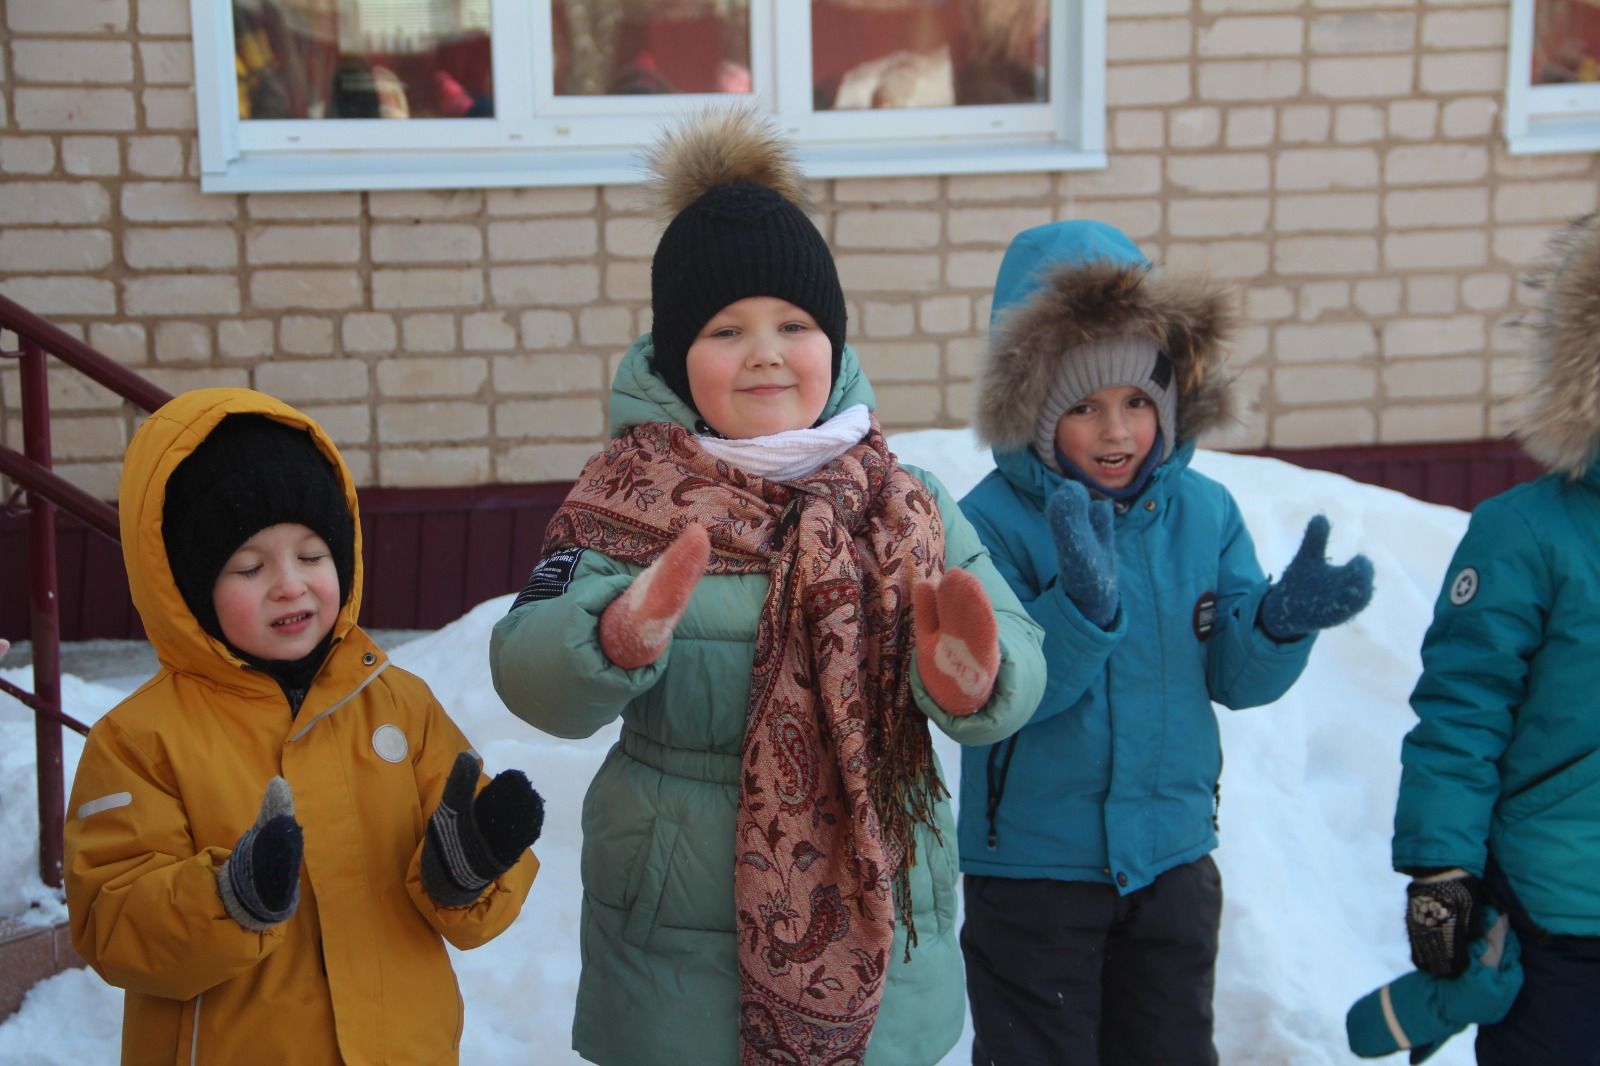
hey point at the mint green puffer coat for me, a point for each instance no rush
(659, 983)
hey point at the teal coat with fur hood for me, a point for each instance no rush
(1505, 757)
(660, 979)
(1115, 779)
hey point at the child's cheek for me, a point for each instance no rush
(235, 608)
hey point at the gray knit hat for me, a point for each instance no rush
(1103, 364)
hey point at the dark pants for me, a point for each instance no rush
(1556, 1018)
(1069, 973)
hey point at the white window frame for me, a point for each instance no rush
(1545, 118)
(536, 138)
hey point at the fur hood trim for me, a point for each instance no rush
(1078, 302)
(722, 146)
(1560, 423)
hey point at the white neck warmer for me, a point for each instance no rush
(794, 453)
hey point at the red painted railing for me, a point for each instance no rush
(30, 469)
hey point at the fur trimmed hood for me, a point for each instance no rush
(1560, 422)
(1064, 284)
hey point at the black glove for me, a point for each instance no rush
(1444, 915)
(1086, 551)
(260, 881)
(473, 841)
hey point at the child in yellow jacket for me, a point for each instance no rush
(269, 843)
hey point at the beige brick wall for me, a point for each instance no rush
(1337, 159)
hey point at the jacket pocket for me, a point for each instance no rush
(648, 880)
(1551, 791)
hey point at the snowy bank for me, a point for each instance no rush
(1313, 915)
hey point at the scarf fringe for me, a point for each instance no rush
(905, 790)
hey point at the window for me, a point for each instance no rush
(1553, 95)
(343, 94)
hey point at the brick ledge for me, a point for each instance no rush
(29, 954)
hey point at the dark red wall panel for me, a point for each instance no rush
(429, 556)
(432, 554)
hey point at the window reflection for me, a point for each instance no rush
(362, 59)
(627, 47)
(1566, 42)
(928, 53)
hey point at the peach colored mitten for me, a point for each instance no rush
(957, 640)
(635, 629)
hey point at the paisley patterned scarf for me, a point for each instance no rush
(837, 763)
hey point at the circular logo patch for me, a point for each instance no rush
(1464, 587)
(390, 743)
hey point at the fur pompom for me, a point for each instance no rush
(718, 147)
(1560, 423)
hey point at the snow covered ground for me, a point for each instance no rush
(1313, 914)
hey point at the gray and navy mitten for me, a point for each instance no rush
(473, 841)
(260, 881)
(1086, 551)
(1313, 595)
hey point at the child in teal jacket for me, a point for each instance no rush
(1500, 792)
(1092, 904)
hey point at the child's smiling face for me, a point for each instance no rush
(278, 595)
(761, 365)
(1108, 434)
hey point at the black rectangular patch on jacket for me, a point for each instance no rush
(551, 577)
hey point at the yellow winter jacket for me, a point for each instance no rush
(172, 777)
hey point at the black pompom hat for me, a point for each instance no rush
(739, 229)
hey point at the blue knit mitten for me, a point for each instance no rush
(260, 882)
(1086, 551)
(471, 841)
(1312, 594)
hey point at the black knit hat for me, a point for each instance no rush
(739, 229)
(249, 473)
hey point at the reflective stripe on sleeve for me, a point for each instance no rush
(105, 803)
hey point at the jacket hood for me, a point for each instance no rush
(638, 395)
(1065, 284)
(1560, 423)
(164, 440)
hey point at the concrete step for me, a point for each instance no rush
(28, 954)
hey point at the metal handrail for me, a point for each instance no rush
(92, 364)
(97, 514)
(30, 468)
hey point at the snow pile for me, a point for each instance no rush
(1313, 914)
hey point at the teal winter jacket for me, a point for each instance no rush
(1505, 757)
(659, 982)
(1115, 778)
